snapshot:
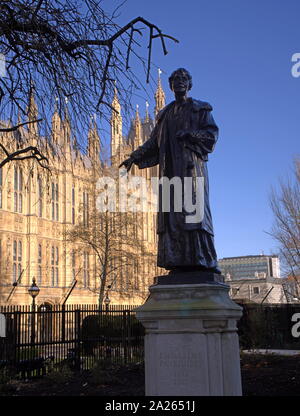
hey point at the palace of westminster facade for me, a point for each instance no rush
(38, 208)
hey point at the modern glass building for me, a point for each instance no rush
(250, 267)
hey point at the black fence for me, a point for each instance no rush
(76, 336)
(269, 326)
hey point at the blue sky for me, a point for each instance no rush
(239, 54)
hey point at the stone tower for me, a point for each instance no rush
(32, 114)
(160, 98)
(93, 149)
(116, 129)
(137, 129)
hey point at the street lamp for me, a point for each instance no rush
(33, 291)
(106, 301)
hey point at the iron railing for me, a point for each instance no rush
(78, 336)
(73, 335)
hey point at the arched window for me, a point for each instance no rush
(54, 202)
(40, 277)
(136, 276)
(15, 245)
(54, 265)
(18, 189)
(86, 271)
(73, 264)
(17, 260)
(85, 200)
(40, 196)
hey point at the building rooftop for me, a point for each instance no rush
(249, 256)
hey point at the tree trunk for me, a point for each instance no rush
(102, 289)
(104, 270)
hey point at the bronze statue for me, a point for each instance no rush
(184, 134)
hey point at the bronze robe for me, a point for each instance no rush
(182, 244)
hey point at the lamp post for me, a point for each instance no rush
(33, 291)
(106, 302)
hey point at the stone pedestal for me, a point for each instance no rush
(191, 342)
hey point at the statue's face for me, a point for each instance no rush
(180, 82)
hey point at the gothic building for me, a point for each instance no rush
(38, 207)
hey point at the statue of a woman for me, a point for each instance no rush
(184, 134)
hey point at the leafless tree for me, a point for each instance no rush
(66, 50)
(285, 204)
(116, 240)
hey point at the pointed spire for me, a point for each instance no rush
(147, 112)
(93, 124)
(137, 114)
(56, 104)
(116, 129)
(56, 123)
(115, 103)
(32, 111)
(137, 128)
(160, 98)
(159, 73)
(66, 108)
(93, 148)
(67, 122)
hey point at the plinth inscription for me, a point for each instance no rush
(179, 366)
(179, 359)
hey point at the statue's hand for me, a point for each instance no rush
(182, 135)
(127, 163)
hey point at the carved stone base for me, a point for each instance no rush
(189, 278)
(191, 342)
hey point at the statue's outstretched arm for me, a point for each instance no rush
(146, 155)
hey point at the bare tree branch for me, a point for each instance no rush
(285, 205)
(115, 239)
(68, 51)
(33, 153)
(14, 128)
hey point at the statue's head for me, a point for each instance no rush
(181, 75)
